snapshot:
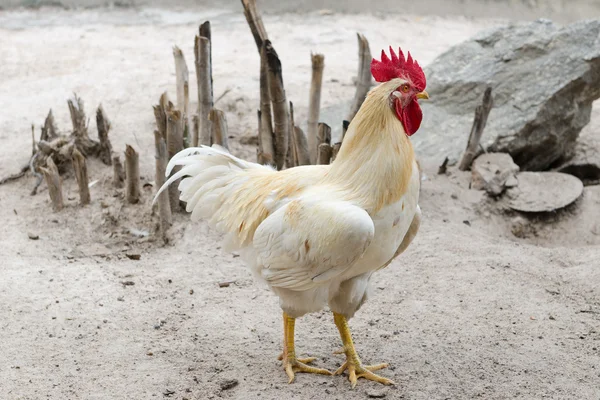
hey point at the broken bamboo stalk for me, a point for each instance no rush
(205, 31)
(195, 128)
(49, 131)
(314, 103)
(160, 114)
(345, 125)
(81, 174)
(280, 106)
(219, 127)
(363, 80)
(266, 150)
(205, 100)
(183, 90)
(291, 159)
(78, 119)
(174, 145)
(132, 172)
(255, 23)
(54, 183)
(324, 156)
(118, 172)
(323, 134)
(335, 149)
(164, 207)
(103, 125)
(301, 146)
(481, 115)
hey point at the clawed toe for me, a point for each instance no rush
(300, 365)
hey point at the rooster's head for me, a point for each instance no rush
(406, 81)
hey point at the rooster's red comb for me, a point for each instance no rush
(398, 67)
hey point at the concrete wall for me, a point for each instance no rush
(559, 10)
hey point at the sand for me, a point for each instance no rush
(469, 311)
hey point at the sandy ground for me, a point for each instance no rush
(470, 311)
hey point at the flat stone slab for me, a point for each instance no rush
(544, 191)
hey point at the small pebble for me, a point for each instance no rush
(228, 384)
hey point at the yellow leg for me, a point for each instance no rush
(353, 364)
(291, 364)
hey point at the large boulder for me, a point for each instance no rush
(544, 80)
(585, 162)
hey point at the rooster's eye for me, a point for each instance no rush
(405, 88)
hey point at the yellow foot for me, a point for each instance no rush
(292, 365)
(307, 360)
(363, 371)
(353, 364)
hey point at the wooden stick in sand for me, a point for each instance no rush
(205, 100)
(481, 115)
(219, 127)
(266, 150)
(281, 116)
(118, 172)
(324, 154)
(54, 183)
(174, 145)
(132, 172)
(183, 91)
(314, 103)
(81, 173)
(103, 125)
(323, 134)
(363, 83)
(164, 206)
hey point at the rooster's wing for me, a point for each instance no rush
(310, 241)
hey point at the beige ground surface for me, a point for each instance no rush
(468, 312)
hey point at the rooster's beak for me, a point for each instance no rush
(423, 95)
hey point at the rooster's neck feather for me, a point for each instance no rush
(376, 159)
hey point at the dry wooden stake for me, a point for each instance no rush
(83, 142)
(81, 174)
(183, 90)
(281, 114)
(204, 31)
(301, 146)
(335, 149)
(266, 150)
(118, 172)
(174, 146)
(291, 158)
(132, 169)
(164, 207)
(324, 154)
(195, 127)
(255, 22)
(323, 134)
(205, 100)
(363, 82)
(103, 124)
(345, 125)
(160, 114)
(314, 102)
(481, 115)
(54, 183)
(49, 131)
(219, 127)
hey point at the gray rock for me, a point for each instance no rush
(544, 191)
(491, 171)
(544, 80)
(585, 162)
